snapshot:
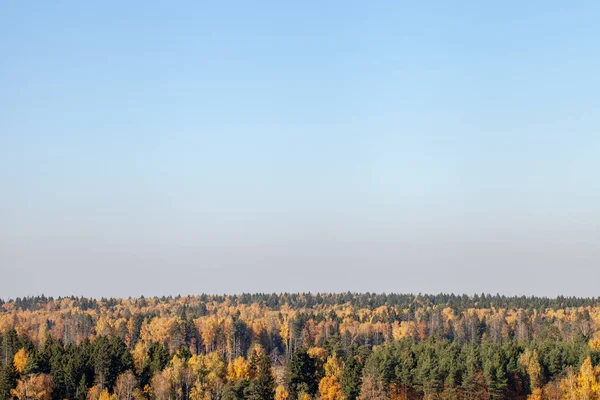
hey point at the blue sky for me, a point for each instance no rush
(292, 146)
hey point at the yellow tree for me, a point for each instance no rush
(568, 385)
(215, 365)
(23, 390)
(176, 376)
(104, 395)
(37, 387)
(217, 370)
(209, 328)
(140, 355)
(281, 393)
(317, 353)
(20, 360)
(197, 393)
(181, 376)
(587, 381)
(334, 367)
(284, 332)
(536, 394)
(594, 342)
(330, 389)
(103, 326)
(199, 368)
(529, 361)
(94, 393)
(304, 396)
(238, 369)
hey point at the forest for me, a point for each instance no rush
(300, 346)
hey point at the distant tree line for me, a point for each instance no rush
(300, 346)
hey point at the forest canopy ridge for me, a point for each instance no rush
(338, 346)
(309, 299)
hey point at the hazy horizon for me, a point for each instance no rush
(210, 148)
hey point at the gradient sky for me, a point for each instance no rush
(153, 148)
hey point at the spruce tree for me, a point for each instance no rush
(262, 387)
(82, 389)
(302, 374)
(351, 378)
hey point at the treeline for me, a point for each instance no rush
(300, 346)
(308, 300)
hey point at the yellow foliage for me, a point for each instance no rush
(330, 389)
(20, 360)
(139, 354)
(158, 330)
(215, 365)
(537, 394)
(584, 385)
(197, 392)
(94, 393)
(334, 367)
(281, 393)
(587, 381)
(256, 351)
(238, 369)
(448, 313)
(104, 395)
(529, 360)
(304, 396)
(595, 344)
(318, 353)
(205, 365)
(351, 327)
(42, 333)
(568, 385)
(403, 329)
(103, 326)
(284, 332)
(36, 387)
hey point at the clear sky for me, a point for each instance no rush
(159, 148)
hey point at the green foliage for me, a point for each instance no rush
(235, 391)
(351, 378)
(262, 387)
(8, 380)
(302, 374)
(82, 389)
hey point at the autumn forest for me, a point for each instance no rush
(300, 346)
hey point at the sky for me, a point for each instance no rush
(164, 148)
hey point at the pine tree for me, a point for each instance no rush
(351, 378)
(263, 386)
(302, 374)
(8, 379)
(235, 391)
(82, 389)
